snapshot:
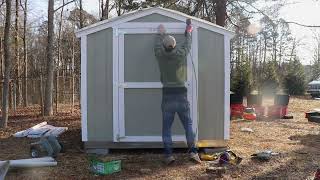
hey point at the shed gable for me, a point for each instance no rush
(152, 15)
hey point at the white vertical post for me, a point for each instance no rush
(84, 115)
(227, 87)
(195, 81)
(121, 86)
(115, 99)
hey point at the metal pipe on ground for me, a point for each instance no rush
(25, 163)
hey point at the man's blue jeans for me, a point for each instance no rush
(171, 104)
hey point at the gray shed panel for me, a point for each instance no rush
(99, 86)
(143, 115)
(155, 18)
(140, 63)
(211, 85)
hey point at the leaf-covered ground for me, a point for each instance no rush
(297, 141)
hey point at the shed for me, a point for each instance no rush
(121, 88)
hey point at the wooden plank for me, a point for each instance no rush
(212, 143)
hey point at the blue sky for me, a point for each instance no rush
(301, 11)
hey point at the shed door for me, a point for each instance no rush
(139, 93)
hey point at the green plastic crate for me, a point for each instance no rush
(104, 168)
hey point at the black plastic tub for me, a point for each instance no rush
(254, 99)
(281, 99)
(315, 119)
(236, 99)
(312, 113)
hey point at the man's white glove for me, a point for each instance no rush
(189, 28)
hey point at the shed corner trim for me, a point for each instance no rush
(84, 113)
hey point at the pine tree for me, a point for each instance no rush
(270, 80)
(294, 80)
(241, 80)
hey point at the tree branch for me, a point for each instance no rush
(21, 5)
(2, 2)
(288, 22)
(64, 4)
(311, 26)
(196, 9)
(230, 20)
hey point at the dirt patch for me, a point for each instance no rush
(297, 141)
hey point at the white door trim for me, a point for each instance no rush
(115, 99)
(195, 81)
(120, 89)
(121, 85)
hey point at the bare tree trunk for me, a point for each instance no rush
(41, 95)
(221, 12)
(48, 110)
(7, 59)
(34, 99)
(2, 63)
(274, 49)
(104, 7)
(265, 51)
(81, 15)
(99, 7)
(17, 53)
(292, 51)
(14, 92)
(59, 56)
(57, 89)
(11, 94)
(1, 70)
(72, 95)
(118, 6)
(1, 59)
(105, 12)
(63, 96)
(25, 54)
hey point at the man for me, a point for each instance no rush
(172, 62)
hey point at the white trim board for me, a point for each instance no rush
(121, 91)
(226, 87)
(84, 113)
(195, 81)
(115, 99)
(148, 11)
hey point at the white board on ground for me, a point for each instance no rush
(4, 166)
(24, 133)
(40, 130)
